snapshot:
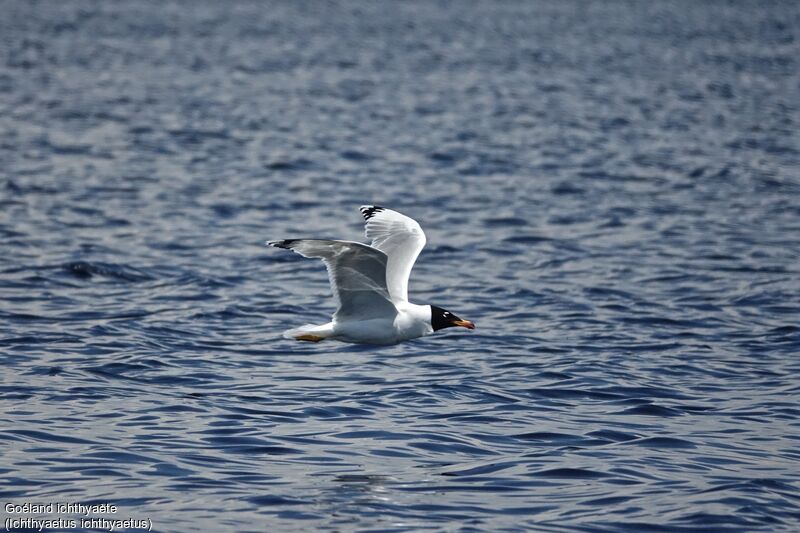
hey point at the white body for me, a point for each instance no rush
(410, 322)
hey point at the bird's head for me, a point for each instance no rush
(442, 318)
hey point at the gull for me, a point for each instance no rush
(370, 284)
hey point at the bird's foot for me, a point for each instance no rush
(309, 337)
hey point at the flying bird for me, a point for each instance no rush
(370, 284)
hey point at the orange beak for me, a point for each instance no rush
(464, 324)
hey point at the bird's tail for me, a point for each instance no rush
(309, 332)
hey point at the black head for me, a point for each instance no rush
(442, 318)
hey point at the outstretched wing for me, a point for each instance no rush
(357, 273)
(401, 239)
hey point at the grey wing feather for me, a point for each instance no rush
(357, 273)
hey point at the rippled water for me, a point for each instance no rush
(610, 191)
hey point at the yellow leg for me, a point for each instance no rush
(309, 337)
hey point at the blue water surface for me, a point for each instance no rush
(611, 191)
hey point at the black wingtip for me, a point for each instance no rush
(369, 211)
(286, 243)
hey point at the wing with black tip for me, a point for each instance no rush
(357, 274)
(401, 238)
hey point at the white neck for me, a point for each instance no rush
(416, 317)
